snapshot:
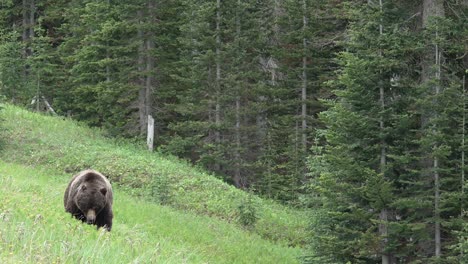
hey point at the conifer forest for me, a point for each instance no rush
(354, 110)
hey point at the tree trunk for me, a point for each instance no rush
(383, 230)
(438, 243)
(433, 8)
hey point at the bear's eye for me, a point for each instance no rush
(103, 191)
(83, 187)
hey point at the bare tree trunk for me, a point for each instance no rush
(434, 8)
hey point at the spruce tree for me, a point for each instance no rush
(356, 176)
(100, 53)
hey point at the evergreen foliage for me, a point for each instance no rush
(11, 66)
(387, 137)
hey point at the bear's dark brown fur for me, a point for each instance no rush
(88, 198)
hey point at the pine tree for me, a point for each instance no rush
(100, 55)
(356, 175)
(419, 187)
(11, 66)
(443, 111)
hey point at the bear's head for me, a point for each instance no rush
(91, 199)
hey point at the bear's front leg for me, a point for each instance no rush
(104, 219)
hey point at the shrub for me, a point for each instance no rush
(248, 212)
(159, 189)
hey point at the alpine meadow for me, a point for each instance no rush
(235, 131)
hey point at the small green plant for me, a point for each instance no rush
(247, 212)
(159, 189)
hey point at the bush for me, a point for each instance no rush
(159, 189)
(248, 212)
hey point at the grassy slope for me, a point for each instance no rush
(63, 147)
(35, 229)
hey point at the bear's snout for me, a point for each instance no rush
(91, 216)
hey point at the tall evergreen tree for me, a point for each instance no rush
(441, 82)
(388, 177)
(369, 127)
(101, 58)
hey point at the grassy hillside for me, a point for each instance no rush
(65, 147)
(34, 228)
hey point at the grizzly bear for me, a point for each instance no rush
(88, 198)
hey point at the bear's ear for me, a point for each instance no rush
(103, 191)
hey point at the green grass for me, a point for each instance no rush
(65, 147)
(34, 228)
